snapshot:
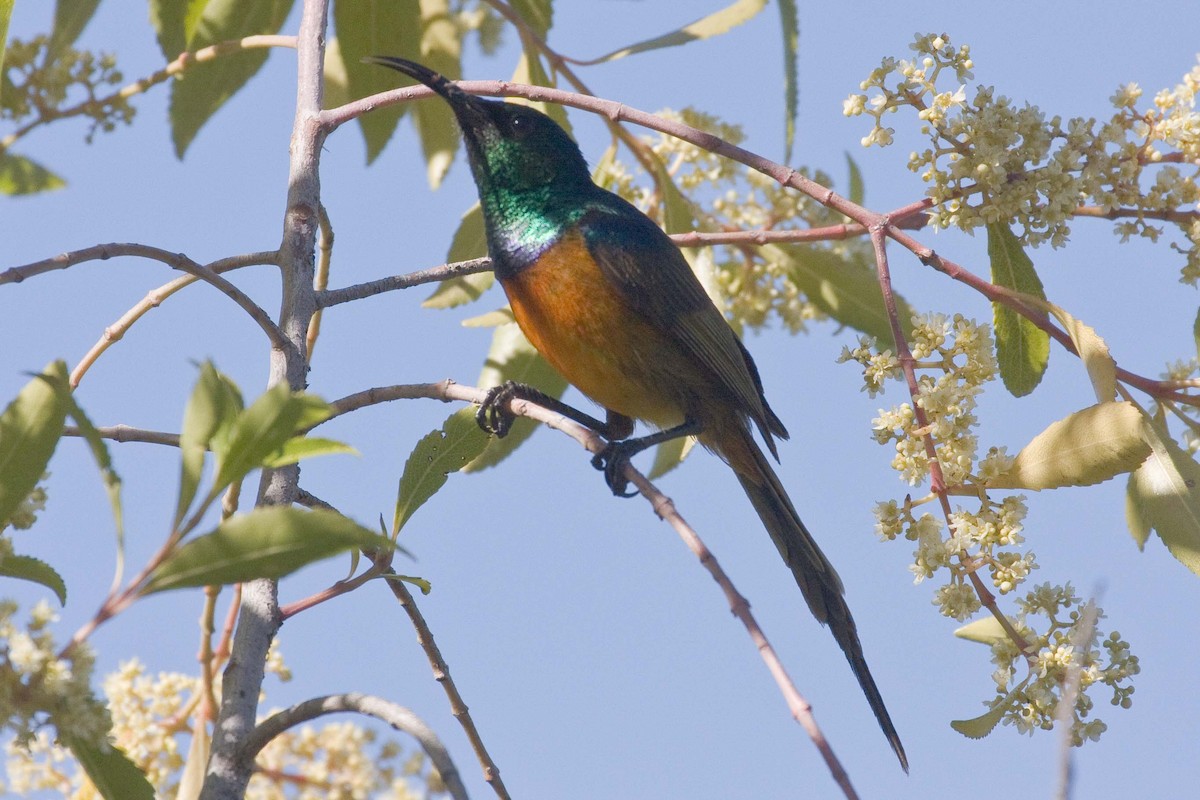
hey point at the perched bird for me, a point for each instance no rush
(610, 302)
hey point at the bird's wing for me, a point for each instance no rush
(657, 282)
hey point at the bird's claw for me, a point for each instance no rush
(494, 416)
(611, 461)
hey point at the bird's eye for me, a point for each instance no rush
(518, 126)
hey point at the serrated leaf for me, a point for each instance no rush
(262, 429)
(512, 358)
(1093, 351)
(457, 443)
(113, 774)
(856, 191)
(30, 428)
(28, 568)
(986, 630)
(470, 241)
(213, 406)
(301, 447)
(370, 28)
(1164, 494)
(70, 18)
(714, 24)
(441, 51)
(981, 726)
(20, 175)
(1084, 448)
(1022, 348)
(175, 22)
(203, 88)
(845, 290)
(268, 542)
(789, 24)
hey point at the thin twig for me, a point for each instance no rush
(1064, 715)
(399, 717)
(153, 299)
(443, 272)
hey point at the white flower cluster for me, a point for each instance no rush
(990, 159)
(953, 359)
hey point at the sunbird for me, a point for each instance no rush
(610, 302)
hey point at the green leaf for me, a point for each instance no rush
(268, 542)
(19, 175)
(301, 447)
(441, 51)
(714, 24)
(1022, 348)
(211, 410)
(513, 358)
(176, 23)
(30, 428)
(371, 28)
(425, 586)
(6, 8)
(1084, 448)
(203, 88)
(27, 568)
(981, 726)
(1196, 333)
(70, 18)
(669, 455)
(856, 191)
(531, 71)
(490, 319)
(109, 769)
(986, 630)
(845, 290)
(538, 14)
(112, 481)
(1164, 494)
(262, 429)
(789, 24)
(470, 241)
(678, 214)
(439, 453)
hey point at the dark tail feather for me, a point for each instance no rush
(817, 579)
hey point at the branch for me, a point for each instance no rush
(179, 261)
(153, 299)
(359, 291)
(441, 672)
(399, 717)
(182, 62)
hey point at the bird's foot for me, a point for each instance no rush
(494, 415)
(611, 461)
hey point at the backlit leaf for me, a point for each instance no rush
(714, 24)
(789, 24)
(1164, 494)
(19, 175)
(27, 568)
(113, 774)
(847, 291)
(376, 28)
(470, 241)
(1087, 447)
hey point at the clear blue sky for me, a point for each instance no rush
(598, 658)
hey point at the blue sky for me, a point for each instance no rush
(596, 655)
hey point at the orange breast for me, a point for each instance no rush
(576, 319)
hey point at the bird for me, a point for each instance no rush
(609, 301)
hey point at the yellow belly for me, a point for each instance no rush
(573, 316)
